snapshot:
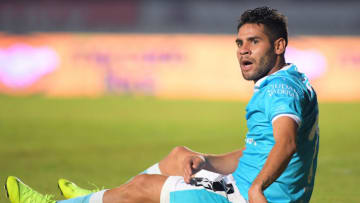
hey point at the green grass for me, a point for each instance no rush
(106, 141)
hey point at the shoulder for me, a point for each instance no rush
(283, 86)
(282, 95)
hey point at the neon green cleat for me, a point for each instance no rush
(70, 190)
(18, 192)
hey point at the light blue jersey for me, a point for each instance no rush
(285, 92)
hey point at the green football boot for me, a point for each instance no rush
(70, 190)
(18, 192)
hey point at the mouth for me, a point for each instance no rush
(246, 64)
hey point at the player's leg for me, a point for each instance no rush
(162, 189)
(172, 164)
(141, 189)
(169, 166)
(70, 190)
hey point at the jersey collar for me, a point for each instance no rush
(259, 82)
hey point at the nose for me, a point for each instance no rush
(244, 50)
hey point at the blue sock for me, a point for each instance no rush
(82, 199)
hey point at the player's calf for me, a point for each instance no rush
(142, 188)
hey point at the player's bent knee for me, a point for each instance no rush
(179, 152)
(170, 164)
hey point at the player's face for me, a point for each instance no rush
(255, 52)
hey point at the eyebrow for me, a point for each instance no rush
(253, 38)
(248, 39)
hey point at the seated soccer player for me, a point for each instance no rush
(278, 162)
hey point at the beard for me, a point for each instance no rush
(265, 65)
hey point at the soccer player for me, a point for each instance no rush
(278, 162)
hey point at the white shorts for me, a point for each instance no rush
(214, 189)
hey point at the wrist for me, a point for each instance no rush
(203, 160)
(256, 186)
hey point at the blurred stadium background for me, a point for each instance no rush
(96, 91)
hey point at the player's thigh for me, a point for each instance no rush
(201, 190)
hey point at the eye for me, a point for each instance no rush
(238, 43)
(255, 41)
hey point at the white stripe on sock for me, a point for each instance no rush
(97, 197)
(154, 169)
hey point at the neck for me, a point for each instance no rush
(279, 64)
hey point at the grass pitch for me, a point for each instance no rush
(106, 141)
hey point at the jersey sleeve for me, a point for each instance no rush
(283, 98)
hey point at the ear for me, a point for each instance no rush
(279, 46)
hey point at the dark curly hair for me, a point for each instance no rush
(275, 23)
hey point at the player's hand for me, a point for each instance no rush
(256, 195)
(192, 165)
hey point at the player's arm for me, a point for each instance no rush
(284, 129)
(222, 164)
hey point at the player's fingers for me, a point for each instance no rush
(187, 177)
(187, 172)
(188, 168)
(187, 180)
(196, 165)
